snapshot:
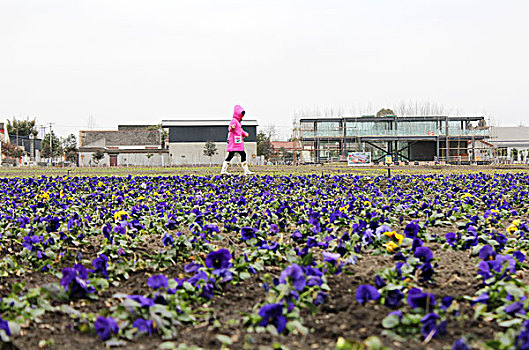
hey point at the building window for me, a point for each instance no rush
(422, 128)
(358, 129)
(329, 129)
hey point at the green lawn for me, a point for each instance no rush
(259, 170)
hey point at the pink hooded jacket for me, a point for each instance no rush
(235, 132)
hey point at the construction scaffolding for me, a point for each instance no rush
(410, 138)
(325, 145)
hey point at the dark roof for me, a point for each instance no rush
(119, 138)
(205, 122)
(133, 127)
(392, 118)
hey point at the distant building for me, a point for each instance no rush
(133, 146)
(483, 151)
(4, 135)
(284, 152)
(187, 139)
(405, 138)
(512, 143)
(31, 145)
(510, 136)
(288, 146)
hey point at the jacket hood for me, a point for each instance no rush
(237, 112)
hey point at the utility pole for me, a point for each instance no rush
(41, 133)
(51, 145)
(2, 139)
(295, 141)
(51, 142)
(447, 143)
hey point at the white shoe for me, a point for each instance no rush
(246, 170)
(224, 170)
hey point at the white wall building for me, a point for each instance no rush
(136, 147)
(513, 143)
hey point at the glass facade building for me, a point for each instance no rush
(420, 138)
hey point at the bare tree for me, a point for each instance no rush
(91, 123)
(403, 107)
(271, 131)
(421, 108)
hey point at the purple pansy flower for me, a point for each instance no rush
(429, 325)
(393, 298)
(248, 233)
(167, 239)
(206, 284)
(158, 281)
(224, 275)
(105, 327)
(211, 228)
(460, 345)
(293, 273)
(446, 302)
(192, 267)
(518, 255)
(412, 229)
(424, 254)
(74, 280)
(486, 252)
(331, 257)
(100, 265)
(143, 325)
(483, 298)
(273, 313)
(321, 297)
(314, 276)
(522, 341)
(219, 259)
(365, 293)
(515, 308)
(5, 326)
(379, 282)
(451, 238)
(143, 301)
(417, 298)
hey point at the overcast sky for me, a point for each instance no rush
(143, 61)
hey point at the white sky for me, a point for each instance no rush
(144, 61)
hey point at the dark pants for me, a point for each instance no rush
(232, 153)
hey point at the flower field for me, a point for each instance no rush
(335, 261)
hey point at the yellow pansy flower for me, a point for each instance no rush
(391, 246)
(399, 238)
(118, 215)
(512, 229)
(390, 234)
(393, 234)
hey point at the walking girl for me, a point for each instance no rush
(235, 142)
